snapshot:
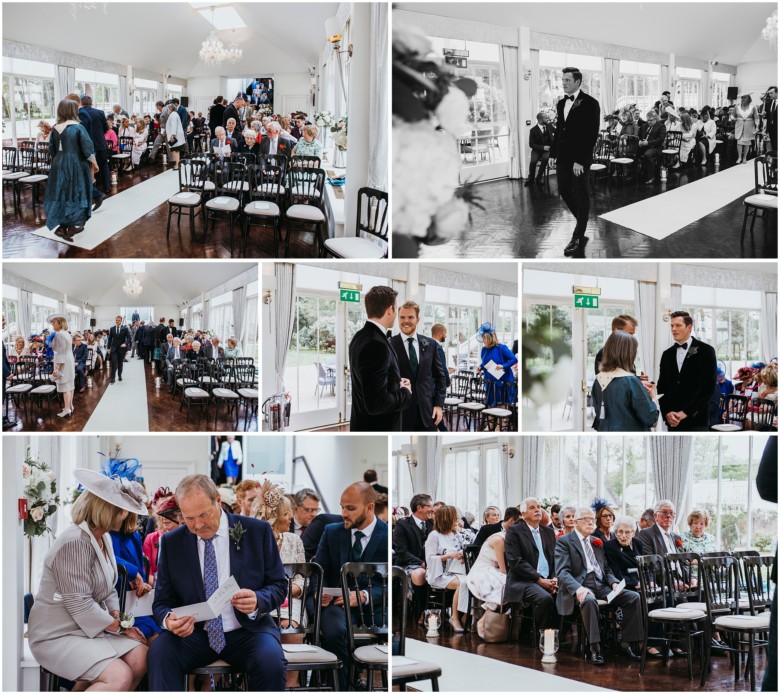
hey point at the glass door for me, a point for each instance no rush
(355, 319)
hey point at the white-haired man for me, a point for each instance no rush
(276, 142)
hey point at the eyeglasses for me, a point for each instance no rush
(607, 515)
(623, 532)
(667, 513)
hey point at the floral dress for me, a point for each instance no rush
(700, 545)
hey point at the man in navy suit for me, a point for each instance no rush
(418, 360)
(540, 140)
(379, 394)
(97, 133)
(118, 341)
(577, 129)
(361, 537)
(80, 356)
(193, 561)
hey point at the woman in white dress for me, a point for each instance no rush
(745, 124)
(175, 134)
(487, 577)
(64, 367)
(444, 561)
(74, 628)
(688, 139)
(140, 139)
(273, 506)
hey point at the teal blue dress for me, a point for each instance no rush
(503, 390)
(69, 189)
(627, 406)
(308, 149)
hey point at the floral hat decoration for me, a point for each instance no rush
(267, 500)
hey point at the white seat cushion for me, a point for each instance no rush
(124, 155)
(43, 390)
(415, 670)
(743, 621)
(269, 209)
(471, 406)
(224, 393)
(37, 178)
(194, 392)
(320, 655)
(185, 199)
(248, 392)
(370, 654)
(623, 160)
(497, 412)
(597, 167)
(15, 175)
(354, 247)
(760, 200)
(674, 614)
(452, 401)
(223, 203)
(307, 213)
(21, 388)
(670, 151)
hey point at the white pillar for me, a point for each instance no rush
(663, 303)
(527, 99)
(357, 109)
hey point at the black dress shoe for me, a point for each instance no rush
(593, 656)
(649, 181)
(576, 245)
(96, 205)
(657, 654)
(120, 378)
(629, 652)
(111, 382)
(528, 183)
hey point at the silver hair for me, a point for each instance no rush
(524, 503)
(565, 509)
(218, 128)
(578, 513)
(196, 342)
(250, 133)
(625, 520)
(661, 503)
(273, 125)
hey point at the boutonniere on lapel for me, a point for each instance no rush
(692, 352)
(423, 344)
(575, 104)
(282, 147)
(679, 543)
(596, 542)
(236, 534)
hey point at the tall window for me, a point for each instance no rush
(74, 318)
(10, 310)
(471, 477)
(599, 327)
(638, 84)
(42, 307)
(28, 97)
(174, 91)
(550, 65)
(145, 313)
(251, 346)
(144, 97)
(720, 86)
(103, 87)
(197, 317)
(221, 316)
(688, 88)
(460, 312)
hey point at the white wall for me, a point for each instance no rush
(292, 84)
(105, 315)
(268, 332)
(755, 77)
(202, 91)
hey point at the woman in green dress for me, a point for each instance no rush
(308, 145)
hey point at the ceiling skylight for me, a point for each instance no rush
(224, 18)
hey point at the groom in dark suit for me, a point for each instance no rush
(577, 129)
(361, 537)
(688, 377)
(117, 344)
(378, 391)
(194, 560)
(418, 359)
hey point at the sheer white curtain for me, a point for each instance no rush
(676, 297)
(768, 326)
(189, 317)
(610, 73)
(533, 449)
(239, 314)
(666, 79)
(706, 94)
(509, 61)
(644, 296)
(283, 308)
(432, 465)
(66, 80)
(24, 313)
(671, 457)
(124, 94)
(492, 302)
(206, 315)
(378, 104)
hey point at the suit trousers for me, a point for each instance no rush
(260, 655)
(536, 158)
(159, 141)
(628, 601)
(574, 191)
(333, 625)
(101, 157)
(117, 360)
(80, 369)
(543, 604)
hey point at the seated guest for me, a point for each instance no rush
(174, 352)
(567, 517)
(126, 129)
(695, 539)
(297, 129)
(622, 551)
(540, 139)
(529, 550)
(723, 388)
(706, 137)
(139, 143)
(409, 536)
(647, 519)
(44, 132)
(487, 577)
(307, 145)
(212, 349)
(74, 629)
(111, 140)
(361, 536)
(233, 133)
(511, 516)
(222, 145)
(445, 568)
(585, 576)
(689, 130)
(80, 357)
(97, 354)
(20, 349)
(466, 532)
(195, 353)
(661, 105)
(627, 125)
(620, 398)
(605, 517)
(233, 350)
(555, 518)
(245, 634)
(250, 144)
(284, 121)
(661, 539)
(652, 135)
(380, 506)
(275, 143)
(246, 493)
(168, 518)
(491, 514)
(767, 382)
(672, 120)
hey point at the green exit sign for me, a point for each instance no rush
(586, 301)
(349, 295)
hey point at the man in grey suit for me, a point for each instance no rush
(161, 138)
(661, 539)
(584, 576)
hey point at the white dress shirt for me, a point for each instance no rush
(569, 103)
(367, 531)
(273, 143)
(416, 339)
(583, 540)
(682, 353)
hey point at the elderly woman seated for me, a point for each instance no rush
(621, 552)
(233, 349)
(20, 349)
(251, 143)
(695, 539)
(308, 145)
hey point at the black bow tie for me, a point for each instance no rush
(570, 98)
(389, 334)
(683, 346)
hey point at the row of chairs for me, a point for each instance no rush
(26, 165)
(762, 203)
(757, 414)
(31, 384)
(483, 404)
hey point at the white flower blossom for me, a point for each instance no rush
(410, 39)
(37, 514)
(26, 470)
(451, 218)
(452, 112)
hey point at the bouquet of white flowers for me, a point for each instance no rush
(40, 491)
(324, 119)
(339, 130)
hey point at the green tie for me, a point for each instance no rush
(357, 547)
(413, 357)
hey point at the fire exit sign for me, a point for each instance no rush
(349, 295)
(585, 301)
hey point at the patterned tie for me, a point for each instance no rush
(357, 546)
(211, 583)
(413, 357)
(543, 567)
(592, 557)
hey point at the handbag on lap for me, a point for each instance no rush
(496, 627)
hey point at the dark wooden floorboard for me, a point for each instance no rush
(619, 673)
(534, 222)
(144, 238)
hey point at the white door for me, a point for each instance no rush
(292, 103)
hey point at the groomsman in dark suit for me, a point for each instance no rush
(379, 394)
(688, 376)
(409, 536)
(540, 140)
(418, 359)
(771, 116)
(360, 537)
(579, 116)
(116, 346)
(80, 356)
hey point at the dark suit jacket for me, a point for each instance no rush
(690, 389)
(6, 366)
(98, 127)
(428, 387)
(654, 135)
(170, 355)
(81, 354)
(409, 542)
(522, 558)
(537, 140)
(379, 489)
(230, 112)
(256, 566)
(571, 569)
(622, 561)
(212, 353)
(771, 119)
(576, 136)
(228, 141)
(487, 531)
(443, 363)
(118, 337)
(313, 533)
(284, 146)
(650, 541)
(237, 136)
(377, 396)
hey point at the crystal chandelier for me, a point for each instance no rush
(213, 52)
(769, 33)
(132, 287)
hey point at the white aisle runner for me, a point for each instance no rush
(661, 215)
(123, 406)
(466, 672)
(121, 210)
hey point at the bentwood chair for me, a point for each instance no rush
(626, 162)
(671, 151)
(188, 198)
(231, 189)
(305, 211)
(371, 229)
(264, 204)
(763, 202)
(602, 156)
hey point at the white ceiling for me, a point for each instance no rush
(165, 37)
(100, 283)
(722, 31)
(506, 272)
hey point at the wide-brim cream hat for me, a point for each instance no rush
(54, 316)
(113, 490)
